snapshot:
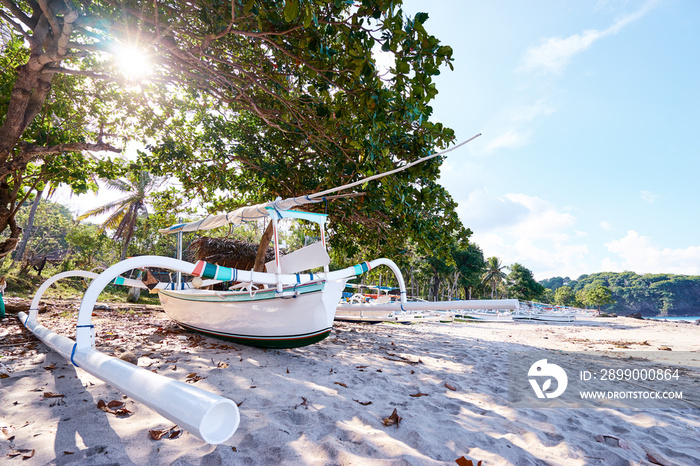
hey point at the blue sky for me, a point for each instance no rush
(590, 114)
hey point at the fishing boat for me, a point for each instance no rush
(288, 305)
(543, 312)
(488, 315)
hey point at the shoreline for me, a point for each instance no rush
(326, 403)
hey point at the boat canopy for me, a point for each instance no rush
(250, 214)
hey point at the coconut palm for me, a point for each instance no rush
(125, 211)
(494, 274)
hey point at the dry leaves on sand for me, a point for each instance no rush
(193, 377)
(462, 461)
(113, 407)
(363, 403)
(341, 384)
(450, 387)
(26, 454)
(393, 419)
(53, 395)
(172, 433)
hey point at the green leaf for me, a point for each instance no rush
(402, 67)
(291, 10)
(421, 18)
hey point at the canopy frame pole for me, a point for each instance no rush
(278, 267)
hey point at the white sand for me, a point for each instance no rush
(311, 405)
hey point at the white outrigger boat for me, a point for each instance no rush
(282, 307)
(544, 313)
(487, 315)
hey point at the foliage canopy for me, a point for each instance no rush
(245, 100)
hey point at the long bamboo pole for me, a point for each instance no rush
(391, 172)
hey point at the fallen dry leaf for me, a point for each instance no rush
(50, 367)
(26, 454)
(157, 434)
(655, 457)
(304, 403)
(393, 419)
(341, 384)
(363, 403)
(117, 410)
(4, 376)
(462, 461)
(222, 365)
(416, 395)
(52, 395)
(450, 387)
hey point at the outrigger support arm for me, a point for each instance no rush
(210, 417)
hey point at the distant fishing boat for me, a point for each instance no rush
(487, 316)
(544, 312)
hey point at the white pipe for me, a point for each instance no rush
(434, 305)
(350, 272)
(34, 306)
(210, 417)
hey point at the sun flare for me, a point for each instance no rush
(133, 63)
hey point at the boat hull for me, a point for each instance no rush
(487, 316)
(298, 316)
(545, 317)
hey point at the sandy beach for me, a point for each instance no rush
(328, 403)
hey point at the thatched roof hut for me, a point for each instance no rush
(227, 252)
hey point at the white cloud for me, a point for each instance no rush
(639, 254)
(530, 112)
(509, 139)
(605, 225)
(552, 55)
(525, 229)
(648, 196)
(511, 127)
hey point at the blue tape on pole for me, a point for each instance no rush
(72, 354)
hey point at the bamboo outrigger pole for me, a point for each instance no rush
(391, 172)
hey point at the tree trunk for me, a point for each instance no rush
(19, 253)
(262, 249)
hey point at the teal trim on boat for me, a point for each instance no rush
(277, 342)
(269, 293)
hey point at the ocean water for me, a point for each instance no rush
(676, 318)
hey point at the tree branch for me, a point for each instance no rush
(31, 151)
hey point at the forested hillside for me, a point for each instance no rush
(648, 294)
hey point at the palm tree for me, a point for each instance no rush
(494, 274)
(125, 211)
